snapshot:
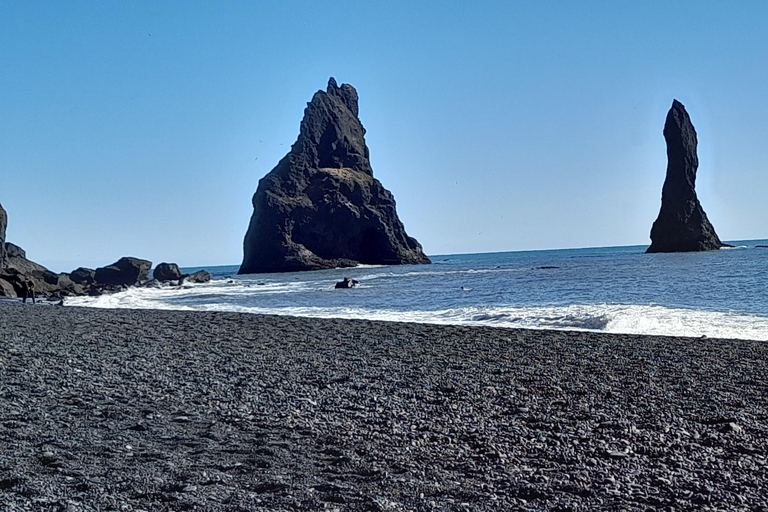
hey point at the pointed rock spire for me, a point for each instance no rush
(682, 224)
(321, 207)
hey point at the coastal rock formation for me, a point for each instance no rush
(682, 224)
(125, 271)
(15, 267)
(321, 207)
(3, 226)
(201, 276)
(14, 251)
(167, 272)
(83, 275)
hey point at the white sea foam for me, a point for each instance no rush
(239, 296)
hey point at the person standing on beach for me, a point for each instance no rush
(27, 290)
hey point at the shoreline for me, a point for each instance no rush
(173, 410)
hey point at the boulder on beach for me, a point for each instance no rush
(167, 272)
(682, 224)
(126, 271)
(321, 207)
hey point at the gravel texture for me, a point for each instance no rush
(166, 410)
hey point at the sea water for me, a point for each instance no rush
(611, 289)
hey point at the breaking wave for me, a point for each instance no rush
(613, 318)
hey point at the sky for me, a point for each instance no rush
(142, 128)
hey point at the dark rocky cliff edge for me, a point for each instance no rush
(682, 224)
(3, 225)
(321, 207)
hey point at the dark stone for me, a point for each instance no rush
(347, 283)
(321, 207)
(7, 289)
(126, 271)
(3, 226)
(682, 224)
(23, 265)
(167, 272)
(201, 276)
(14, 251)
(83, 276)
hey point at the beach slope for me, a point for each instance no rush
(168, 410)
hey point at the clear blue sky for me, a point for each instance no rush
(142, 128)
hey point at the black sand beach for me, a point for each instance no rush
(160, 410)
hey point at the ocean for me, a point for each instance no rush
(610, 289)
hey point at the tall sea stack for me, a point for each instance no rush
(682, 224)
(321, 207)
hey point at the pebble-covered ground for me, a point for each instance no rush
(159, 410)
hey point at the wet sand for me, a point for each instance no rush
(167, 410)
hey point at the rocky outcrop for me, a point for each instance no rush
(125, 271)
(321, 207)
(82, 281)
(7, 289)
(3, 226)
(83, 276)
(201, 276)
(167, 272)
(682, 224)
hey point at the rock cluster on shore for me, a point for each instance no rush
(321, 207)
(166, 410)
(119, 276)
(682, 224)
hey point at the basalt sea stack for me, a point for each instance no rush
(682, 224)
(321, 207)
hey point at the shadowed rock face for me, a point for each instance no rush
(321, 207)
(3, 226)
(682, 224)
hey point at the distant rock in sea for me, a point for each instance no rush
(682, 224)
(167, 272)
(321, 207)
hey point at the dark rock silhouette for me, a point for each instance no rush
(167, 272)
(3, 226)
(83, 276)
(682, 224)
(321, 207)
(125, 271)
(347, 283)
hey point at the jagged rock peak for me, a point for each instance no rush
(321, 207)
(331, 135)
(346, 93)
(682, 224)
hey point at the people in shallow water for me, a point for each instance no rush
(27, 290)
(347, 283)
